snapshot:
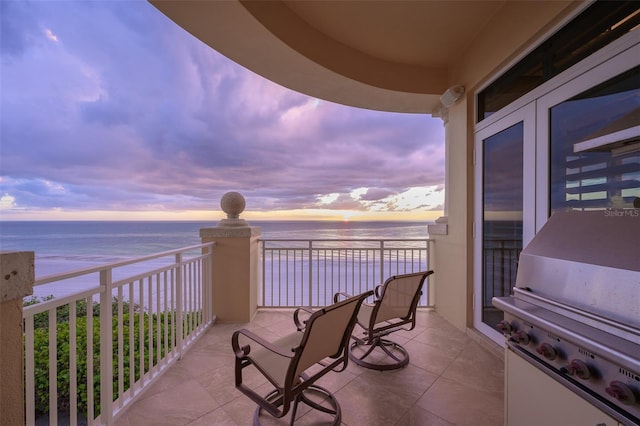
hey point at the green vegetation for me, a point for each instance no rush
(63, 345)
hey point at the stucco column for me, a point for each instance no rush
(16, 281)
(236, 263)
(453, 260)
(441, 227)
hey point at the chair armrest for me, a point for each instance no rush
(243, 351)
(301, 324)
(377, 290)
(336, 297)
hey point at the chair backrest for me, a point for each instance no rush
(400, 296)
(327, 333)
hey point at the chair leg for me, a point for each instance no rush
(392, 350)
(303, 397)
(272, 397)
(328, 397)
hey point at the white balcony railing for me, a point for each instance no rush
(299, 272)
(92, 352)
(89, 354)
(500, 259)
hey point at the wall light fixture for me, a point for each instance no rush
(452, 94)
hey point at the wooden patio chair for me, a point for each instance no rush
(292, 364)
(393, 309)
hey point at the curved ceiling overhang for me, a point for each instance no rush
(272, 41)
(342, 59)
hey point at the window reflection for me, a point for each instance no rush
(601, 23)
(595, 180)
(502, 215)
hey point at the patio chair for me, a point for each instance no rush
(321, 341)
(393, 309)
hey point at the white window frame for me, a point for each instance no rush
(526, 115)
(533, 108)
(614, 66)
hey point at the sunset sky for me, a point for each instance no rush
(111, 111)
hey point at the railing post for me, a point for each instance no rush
(106, 347)
(431, 260)
(310, 273)
(16, 281)
(381, 262)
(262, 293)
(208, 291)
(236, 265)
(179, 313)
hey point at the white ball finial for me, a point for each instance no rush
(232, 203)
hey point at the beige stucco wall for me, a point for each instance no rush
(452, 265)
(17, 275)
(11, 391)
(517, 27)
(236, 275)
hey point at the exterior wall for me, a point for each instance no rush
(12, 366)
(515, 29)
(235, 272)
(518, 27)
(452, 265)
(17, 277)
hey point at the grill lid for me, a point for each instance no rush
(588, 260)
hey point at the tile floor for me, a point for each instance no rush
(451, 379)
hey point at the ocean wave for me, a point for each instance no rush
(92, 258)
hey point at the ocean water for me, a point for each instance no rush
(64, 246)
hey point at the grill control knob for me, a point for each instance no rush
(522, 337)
(621, 392)
(579, 369)
(505, 327)
(547, 351)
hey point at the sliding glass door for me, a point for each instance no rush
(542, 157)
(505, 164)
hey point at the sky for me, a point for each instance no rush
(110, 111)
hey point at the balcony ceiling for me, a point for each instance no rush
(383, 55)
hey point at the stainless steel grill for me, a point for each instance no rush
(575, 310)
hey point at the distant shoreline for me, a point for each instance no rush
(217, 220)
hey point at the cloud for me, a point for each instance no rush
(344, 202)
(111, 106)
(376, 194)
(18, 29)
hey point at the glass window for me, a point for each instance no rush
(599, 25)
(595, 179)
(502, 215)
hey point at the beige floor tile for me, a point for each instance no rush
(172, 377)
(434, 359)
(450, 380)
(122, 420)
(477, 368)
(220, 383)
(429, 318)
(269, 318)
(463, 405)
(382, 398)
(240, 410)
(217, 417)
(442, 336)
(418, 416)
(175, 406)
(363, 404)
